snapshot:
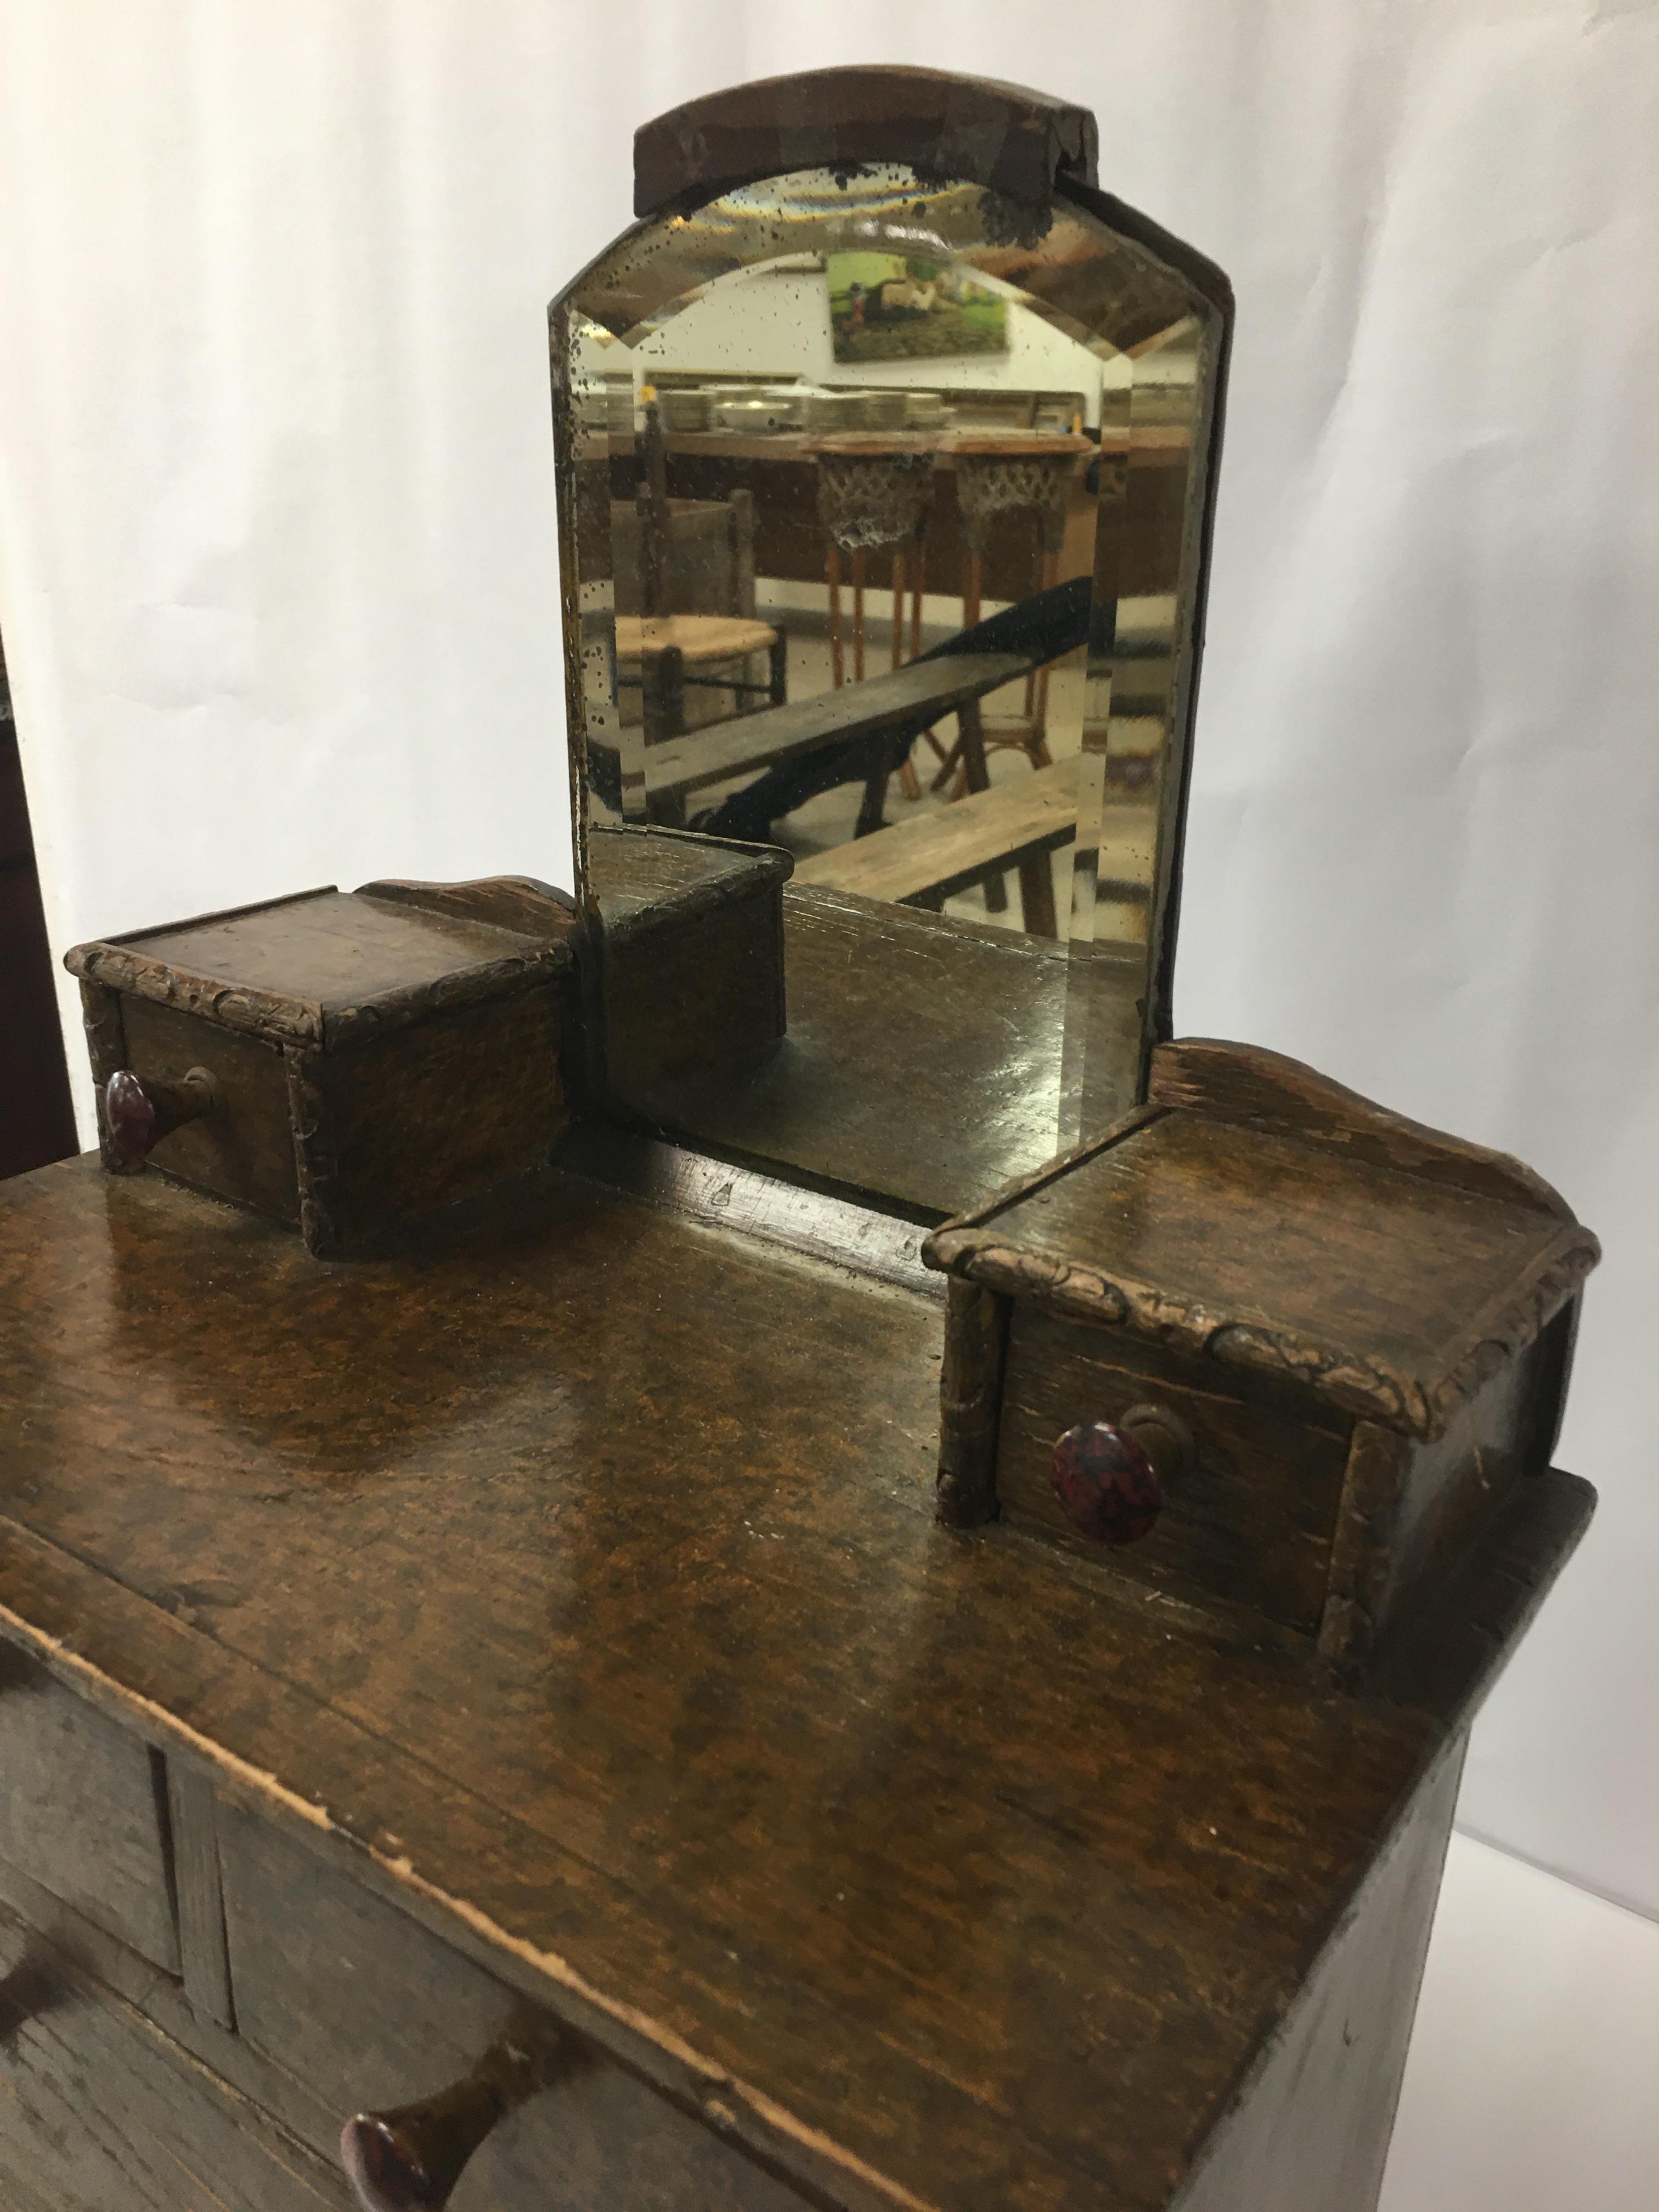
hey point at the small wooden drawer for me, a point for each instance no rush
(372, 2010)
(346, 1064)
(1261, 1343)
(1251, 1521)
(81, 1813)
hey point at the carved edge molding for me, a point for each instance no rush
(291, 1021)
(1373, 1390)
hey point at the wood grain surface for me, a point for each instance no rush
(574, 1580)
(1386, 1293)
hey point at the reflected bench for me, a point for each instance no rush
(1018, 825)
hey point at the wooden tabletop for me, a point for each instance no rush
(577, 1581)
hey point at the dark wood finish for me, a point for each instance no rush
(1255, 1089)
(690, 972)
(363, 1060)
(1380, 1292)
(970, 1403)
(1310, 2130)
(370, 2008)
(199, 1898)
(1014, 141)
(82, 1813)
(243, 1151)
(1250, 1523)
(814, 1816)
(104, 2113)
(1365, 1325)
(138, 1115)
(922, 1060)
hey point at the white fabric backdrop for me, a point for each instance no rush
(277, 576)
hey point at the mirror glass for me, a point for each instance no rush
(881, 507)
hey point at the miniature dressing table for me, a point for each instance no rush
(728, 1544)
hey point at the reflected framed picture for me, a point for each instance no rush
(893, 307)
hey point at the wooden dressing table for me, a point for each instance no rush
(585, 1697)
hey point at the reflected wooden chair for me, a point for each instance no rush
(874, 493)
(683, 579)
(997, 476)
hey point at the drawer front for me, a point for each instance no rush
(1251, 1523)
(371, 2011)
(243, 1151)
(81, 1812)
(101, 2111)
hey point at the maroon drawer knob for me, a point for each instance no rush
(138, 1115)
(410, 2159)
(1109, 1477)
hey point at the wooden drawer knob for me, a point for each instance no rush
(408, 2160)
(1109, 1477)
(138, 1115)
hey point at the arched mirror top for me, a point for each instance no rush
(886, 448)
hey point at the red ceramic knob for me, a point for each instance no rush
(1106, 1483)
(130, 1117)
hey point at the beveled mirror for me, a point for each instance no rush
(886, 445)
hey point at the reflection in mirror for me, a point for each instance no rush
(880, 534)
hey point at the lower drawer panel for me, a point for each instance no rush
(369, 2010)
(99, 2111)
(81, 1809)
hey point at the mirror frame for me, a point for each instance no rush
(1031, 149)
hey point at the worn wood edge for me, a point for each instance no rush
(970, 1403)
(1517, 1315)
(771, 867)
(107, 1049)
(1362, 1550)
(1213, 2144)
(1345, 1379)
(284, 1020)
(1373, 1388)
(824, 2172)
(979, 130)
(314, 1166)
(951, 1239)
(1460, 1624)
(131, 937)
(260, 1013)
(345, 1025)
(1256, 1088)
(522, 904)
